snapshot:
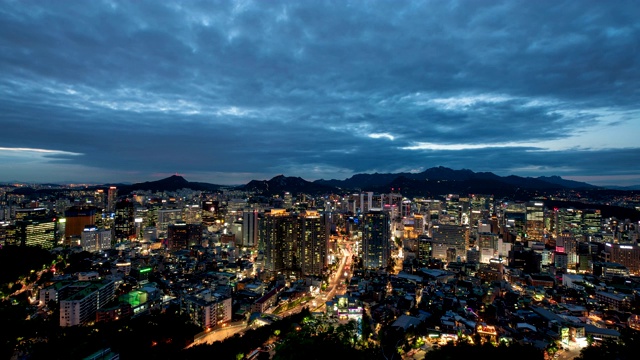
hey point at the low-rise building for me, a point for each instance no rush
(80, 307)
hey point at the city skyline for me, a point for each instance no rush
(232, 91)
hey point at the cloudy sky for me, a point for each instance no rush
(229, 91)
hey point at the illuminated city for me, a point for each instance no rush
(262, 180)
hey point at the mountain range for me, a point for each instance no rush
(431, 182)
(434, 183)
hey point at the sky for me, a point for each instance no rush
(230, 91)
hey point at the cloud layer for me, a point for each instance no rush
(230, 91)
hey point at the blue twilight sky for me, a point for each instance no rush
(229, 91)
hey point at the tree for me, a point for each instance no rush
(463, 350)
(391, 339)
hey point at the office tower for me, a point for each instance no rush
(35, 232)
(77, 218)
(624, 254)
(473, 255)
(560, 260)
(479, 209)
(209, 211)
(488, 246)
(392, 199)
(250, 229)
(452, 213)
(419, 224)
(424, 249)
(481, 202)
(32, 214)
(124, 221)
(112, 196)
(513, 221)
(288, 200)
(567, 219)
(527, 260)
(485, 226)
(409, 230)
(571, 249)
(376, 239)
(591, 221)
(150, 234)
(183, 236)
(313, 232)
(167, 217)
(81, 307)
(534, 221)
(192, 214)
(452, 236)
(94, 239)
(99, 199)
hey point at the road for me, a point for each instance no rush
(334, 282)
(220, 334)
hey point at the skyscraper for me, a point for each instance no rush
(452, 237)
(294, 243)
(77, 218)
(250, 228)
(184, 236)
(376, 245)
(277, 241)
(313, 233)
(124, 222)
(112, 195)
(36, 232)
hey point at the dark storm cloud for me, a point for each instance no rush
(321, 89)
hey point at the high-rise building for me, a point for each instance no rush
(567, 219)
(453, 210)
(250, 228)
(313, 232)
(112, 196)
(36, 232)
(376, 239)
(277, 241)
(288, 200)
(168, 217)
(294, 243)
(184, 236)
(94, 239)
(424, 248)
(38, 213)
(627, 255)
(452, 236)
(591, 221)
(192, 214)
(513, 221)
(124, 221)
(534, 221)
(99, 199)
(77, 218)
(33, 227)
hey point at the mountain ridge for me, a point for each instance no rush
(435, 180)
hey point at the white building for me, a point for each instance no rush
(207, 309)
(94, 239)
(80, 307)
